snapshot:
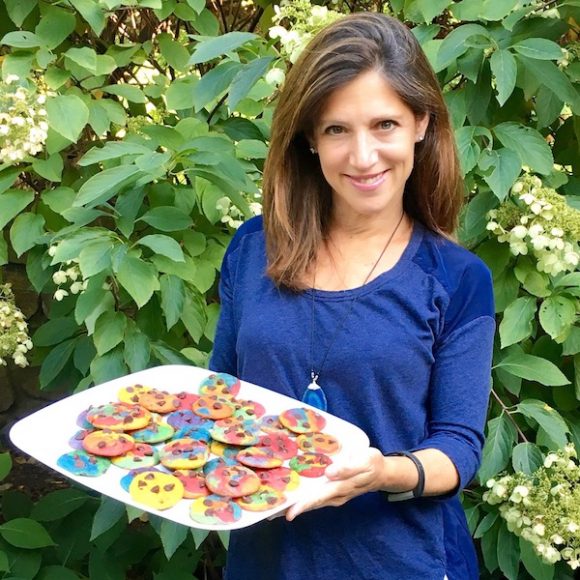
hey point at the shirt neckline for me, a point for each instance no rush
(407, 255)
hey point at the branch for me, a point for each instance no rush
(506, 410)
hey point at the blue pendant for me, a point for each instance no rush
(314, 396)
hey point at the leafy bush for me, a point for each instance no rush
(158, 116)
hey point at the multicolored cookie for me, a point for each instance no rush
(220, 384)
(213, 407)
(76, 441)
(193, 482)
(186, 400)
(280, 444)
(184, 454)
(224, 450)
(199, 432)
(83, 463)
(318, 443)
(243, 433)
(301, 420)
(107, 443)
(142, 455)
(218, 462)
(132, 393)
(261, 501)
(247, 409)
(118, 417)
(280, 478)
(232, 480)
(156, 432)
(82, 421)
(187, 418)
(261, 457)
(159, 401)
(128, 478)
(157, 490)
(214, 510)
(310, 464)
(271, 424)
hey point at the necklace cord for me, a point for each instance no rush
(313, 374)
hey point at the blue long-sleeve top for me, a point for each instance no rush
(411, 367)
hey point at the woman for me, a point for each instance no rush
(351, 283)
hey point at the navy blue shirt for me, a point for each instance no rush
(411, 367)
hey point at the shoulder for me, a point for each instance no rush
(253, 228)
(463, 277)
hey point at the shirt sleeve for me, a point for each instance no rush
(461, 374)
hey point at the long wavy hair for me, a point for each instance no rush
(297, 200)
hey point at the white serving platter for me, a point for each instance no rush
(45, 436)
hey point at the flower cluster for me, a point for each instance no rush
(537, 220)
(71, 277)
(14, 339)
(231, 214)
(304, 21)
(544, 508)
(23, 126)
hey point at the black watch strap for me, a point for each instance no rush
(419, 488)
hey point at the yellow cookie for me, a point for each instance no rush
(157, 490)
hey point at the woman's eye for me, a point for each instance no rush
(386, 125)
(333, 130)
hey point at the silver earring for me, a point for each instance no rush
(312, 150)
(421, 138)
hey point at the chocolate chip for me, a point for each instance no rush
(155, 489)
(101, 444)
(169, 486)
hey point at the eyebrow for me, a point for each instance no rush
(386, 117)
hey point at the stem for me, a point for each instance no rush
(506, 410)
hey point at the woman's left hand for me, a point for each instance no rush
(348, 478)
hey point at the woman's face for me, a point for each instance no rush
(365, 140)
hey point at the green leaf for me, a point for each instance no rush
(180, 94)
(163, 245)
(7, 179)
(508, 552)
(467, 147)
(21, 39)
(109, 513)
(56, 573)
(3, 251)
(112, 150)
(455, 45)
(572, 279)
(557, 314)
(534, 368)
(55, 361)
(539, 49)
(172, 298)
(199, 536)
(497, 9)
(548, 419)
(218, 46)
(50, 168)
(12, 202)
(26, 230)
(516, 324)
(246, 78)
(501, 437)
(5, 465)
(139, 278)
(95, 257)
(19, 10)
(137, 349)
(176, 55)
(506, 169)
(537, 284)
(55, 331)
(126, 91)
(214, 83)
(92, 13)
(489, 548)
(55, 25)
(528, 143)
(102, 186)
(109, 331)
(485, 524)
(527, 458)
(535, 566)
(67, 115)
(133, 513)
(167, 219)
(193, 317)
(85, 57)
(172, 536)
(431, 8)
(572, 343)
(58, 504)
(25, 533)
(109, 366)
(505, 70)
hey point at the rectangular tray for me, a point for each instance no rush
(45, 434)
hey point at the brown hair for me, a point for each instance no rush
(297, 199)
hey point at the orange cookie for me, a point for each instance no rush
(244, 433)
(247, 409)
(232, 481)
(159, 401)
(107, 443)
(280, 444)
(318, 443)
(261, 501)
(213, 407)
(118, 417)
(280, 478)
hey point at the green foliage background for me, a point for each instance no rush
(160, 110)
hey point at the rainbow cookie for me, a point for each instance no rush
(184, 454)
(157, 490)
(142, 455)
(186, 400)
(76, 441)
(218, 462)
(310, 464)
(82, 420)
(159, 401)
(244, 433)
(128, 478)
(261, 501)
(318, 443)
(280, 478)
(261, 457)
(214, 510)
(232, 480)
(199, 432)
(247, 409)
(280, 444)
(82, 463)
(271, 424)
(193, 483)
(220, 384)
(301, 420)
(224, 450)
(213, 407)
(118, 417)
(156, 432)
(186, 418)
(132, 393)
(107, 443)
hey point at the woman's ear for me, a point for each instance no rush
(421, 125)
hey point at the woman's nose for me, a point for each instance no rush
(364, 152)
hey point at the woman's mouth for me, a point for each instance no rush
(367, 181)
